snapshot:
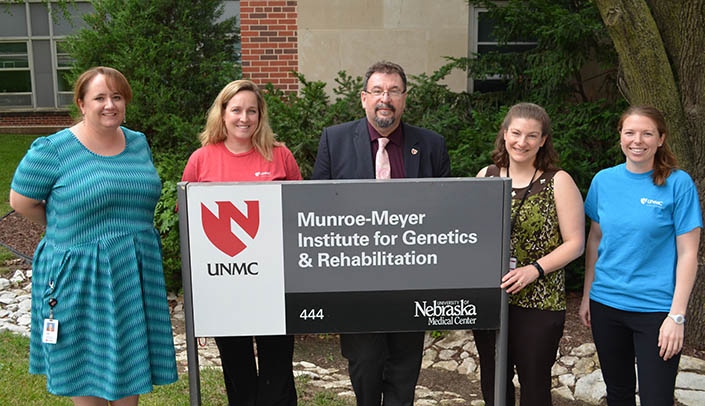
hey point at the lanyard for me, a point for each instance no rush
(523, 198)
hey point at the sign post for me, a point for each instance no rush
(343, 256)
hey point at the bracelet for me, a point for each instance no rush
(539, 268)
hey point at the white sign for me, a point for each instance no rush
(237, 273)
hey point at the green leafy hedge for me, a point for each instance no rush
(175, 76)
(584, 133)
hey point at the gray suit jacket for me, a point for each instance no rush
(344, 152)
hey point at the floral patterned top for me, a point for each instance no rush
(536, 233)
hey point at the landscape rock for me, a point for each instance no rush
(576, 375)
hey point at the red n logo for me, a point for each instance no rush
(218, 229)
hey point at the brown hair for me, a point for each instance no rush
(664, 159)
(546, 157)
(384, 67)
(263, 139)
(115, 80)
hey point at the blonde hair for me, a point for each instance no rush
(263, 139)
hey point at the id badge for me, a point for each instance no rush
(512, 263)
(51, 331)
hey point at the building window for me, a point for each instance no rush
(15, 75)
(34, 63)
(64, 62)
(482, 41)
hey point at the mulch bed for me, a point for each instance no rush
(20, 235)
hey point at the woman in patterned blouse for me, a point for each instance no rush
(548, 232)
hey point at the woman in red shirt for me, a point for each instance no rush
(239, 145)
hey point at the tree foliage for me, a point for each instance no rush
(298, 119)
(584, 127)
(176, 55)
(661, 48)
(572, 58)
(571, 72)
(177, 58)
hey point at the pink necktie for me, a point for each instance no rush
(382, 160)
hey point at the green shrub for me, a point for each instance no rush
(176, 74)
(170, 167)
(177, 55)
(584, 135)
(299, 119)
(586, 138)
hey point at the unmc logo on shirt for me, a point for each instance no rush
(650, 202)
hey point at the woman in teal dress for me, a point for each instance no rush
(97, 273)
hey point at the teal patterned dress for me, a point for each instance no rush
(100, 260)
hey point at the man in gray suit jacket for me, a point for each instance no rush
(383, 367)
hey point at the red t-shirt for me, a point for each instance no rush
(215, 163)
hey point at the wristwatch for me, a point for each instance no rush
(677, 318)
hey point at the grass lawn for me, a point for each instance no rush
(14, 146)
(18, 387)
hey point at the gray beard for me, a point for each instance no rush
(384, 122)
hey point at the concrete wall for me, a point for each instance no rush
(347, 35)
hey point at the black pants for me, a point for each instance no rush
(534, 336)
(272, 385)
(622, 336)
(383, 367)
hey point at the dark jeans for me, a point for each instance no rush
(272, 385)
(620, 337)
(534, 336)
(383, 367)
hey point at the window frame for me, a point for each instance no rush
(28, 56)
(474, 44)
(59, 69)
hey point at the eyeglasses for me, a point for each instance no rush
(394, 93)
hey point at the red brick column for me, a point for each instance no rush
(269, 44)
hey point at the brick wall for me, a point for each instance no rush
(35, 119)
(269, 43)
(33, 122)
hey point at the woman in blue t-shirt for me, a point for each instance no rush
(640, 262)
